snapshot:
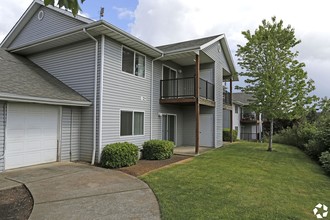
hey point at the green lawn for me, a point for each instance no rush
(242, 181)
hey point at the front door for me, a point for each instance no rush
(207, 130)
(169, 127)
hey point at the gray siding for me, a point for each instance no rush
(74, 65)
(165, 109)
(123, 91)
(2, 135)
(52, 23)
(220, 63)
(70, 137)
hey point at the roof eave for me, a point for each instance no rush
(40, 100)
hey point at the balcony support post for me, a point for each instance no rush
(231, 111)
(197, 107)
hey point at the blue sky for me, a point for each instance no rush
(118, 12)
(159, 22)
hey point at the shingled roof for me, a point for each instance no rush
(186, 44)
(22, 79)
(242, 98)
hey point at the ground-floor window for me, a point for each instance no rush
(131, 123)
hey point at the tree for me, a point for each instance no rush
(275, 78)
(72, 5)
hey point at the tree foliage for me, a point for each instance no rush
(276, 79)
(72, 5)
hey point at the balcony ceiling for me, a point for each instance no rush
(187, 58)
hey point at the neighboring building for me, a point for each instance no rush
(247, 123)
(69, 86)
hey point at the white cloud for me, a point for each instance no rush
(11, 11)
(167, 21)
(124, 13)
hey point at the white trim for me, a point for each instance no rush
(152, 93)
(59, 134)
(176, 126)
(6, 139)
(212, 41)
(95, 93)
(135, 52)
(133, 111)
(101, 99)
(39, 100)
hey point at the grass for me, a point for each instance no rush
(242, 181)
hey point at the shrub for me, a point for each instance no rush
(325, 161)
(314, 149)
(157, 149)
(119, 155)
(226, 134)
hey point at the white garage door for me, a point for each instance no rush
(31, 134)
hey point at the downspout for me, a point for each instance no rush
(152, 91)
(101, 97)
(4, 130)
(95, 94)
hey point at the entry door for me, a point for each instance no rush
(207, 130)
(169, 85)
(169, 127)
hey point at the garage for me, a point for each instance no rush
(31, 134)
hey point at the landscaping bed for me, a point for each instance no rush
(15, 203)
(144, 166)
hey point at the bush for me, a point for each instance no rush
(325, 161)
(119, 155)
(226, 134)
(314, 149)
(157, 149)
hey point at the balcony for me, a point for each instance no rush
(227, 101)
(182, 91)
(249, 118)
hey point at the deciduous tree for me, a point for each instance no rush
(276, 79)
(72, 5)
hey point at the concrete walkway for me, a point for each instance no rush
(79, 191)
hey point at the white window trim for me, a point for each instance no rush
(135, 52)
(176, 72)
(144, 123)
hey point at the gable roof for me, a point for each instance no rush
(242, 98)
(24, 81)
(185, 45)
(27, 15)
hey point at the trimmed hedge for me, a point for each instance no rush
(226, 134)
(119, 155)
(157, 149)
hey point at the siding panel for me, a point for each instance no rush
(167, 109)
(219, 65)
(74, 66)
(2, 135)
(123, 91)
(52, 23)
(70, 140)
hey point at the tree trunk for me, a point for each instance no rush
(270, 146)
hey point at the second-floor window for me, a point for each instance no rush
(133, 62)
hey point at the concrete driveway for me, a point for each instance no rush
(80, 191)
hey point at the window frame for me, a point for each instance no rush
(134, 60)
(132, 111)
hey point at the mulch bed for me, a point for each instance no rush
(145, 166)
(15, 203)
